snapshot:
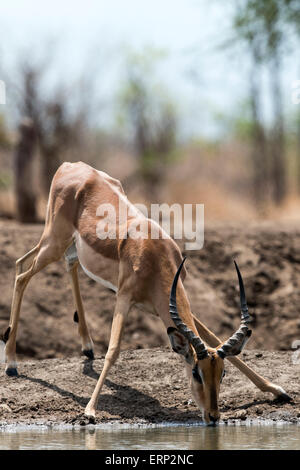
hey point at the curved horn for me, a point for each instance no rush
(235, 344)
(196, 342)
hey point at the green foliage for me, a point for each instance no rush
(239, 124)
(263, 24)
(146, 111)
(292, 13)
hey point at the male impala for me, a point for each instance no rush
(143, 275)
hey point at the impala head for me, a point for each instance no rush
(206, 365)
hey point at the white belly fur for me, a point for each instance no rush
(80, 251)
(98, 279)
(73, 254)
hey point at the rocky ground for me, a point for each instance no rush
(269, 258)
(148, 384)
(145, 386)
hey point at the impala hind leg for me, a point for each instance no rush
(79, 316)
(121, 310)
(263, 384)
(26, 267)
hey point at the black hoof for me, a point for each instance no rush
(12, 372)
(89, 353)
(284, 398)
(92, 419)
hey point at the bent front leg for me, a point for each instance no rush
(23, 275)
(46, 252)
(121, 310)
(263, 384)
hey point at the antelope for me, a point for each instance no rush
(145, 274)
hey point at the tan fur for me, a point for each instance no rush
(144, 271)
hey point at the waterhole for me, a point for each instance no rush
(262, 436)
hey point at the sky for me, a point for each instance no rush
(201, 78)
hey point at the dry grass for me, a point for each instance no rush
(217, 176)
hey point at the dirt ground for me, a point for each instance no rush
(269, 258)
(58, 389)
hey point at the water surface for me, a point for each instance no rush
(223, 437)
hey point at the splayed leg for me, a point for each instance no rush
(79, 315)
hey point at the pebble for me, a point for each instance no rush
(241, 414)
(5, 407)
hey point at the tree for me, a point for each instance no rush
(4, 135)
(60, 112)
(262, 27)
(292, 17)
(149, 116)
(246, 29)
(25, 195)
(271, 16)
(48, 116)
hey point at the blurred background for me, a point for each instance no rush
(187, 101)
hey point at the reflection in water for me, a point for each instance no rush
(175, 437)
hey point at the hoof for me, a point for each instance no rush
(90, 418)
(11, 372)
(284, 398)
(90, 413)
(83, 420)
(89, 353)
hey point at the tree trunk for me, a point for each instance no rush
(259, 148)
(25, 196)
(298, 148)
(298, 152)
(49, 165)
(277, 140)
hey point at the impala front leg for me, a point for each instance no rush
(72, 263)
(21, 280)
(121, 310)
(79, 316)
(11, 332)
(263, 384)
(26, 267)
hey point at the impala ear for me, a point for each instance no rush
(180, 345)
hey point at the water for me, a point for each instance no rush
(261, 436)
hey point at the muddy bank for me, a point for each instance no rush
(146, 386)
(268, 255)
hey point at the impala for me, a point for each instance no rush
(146, 275)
